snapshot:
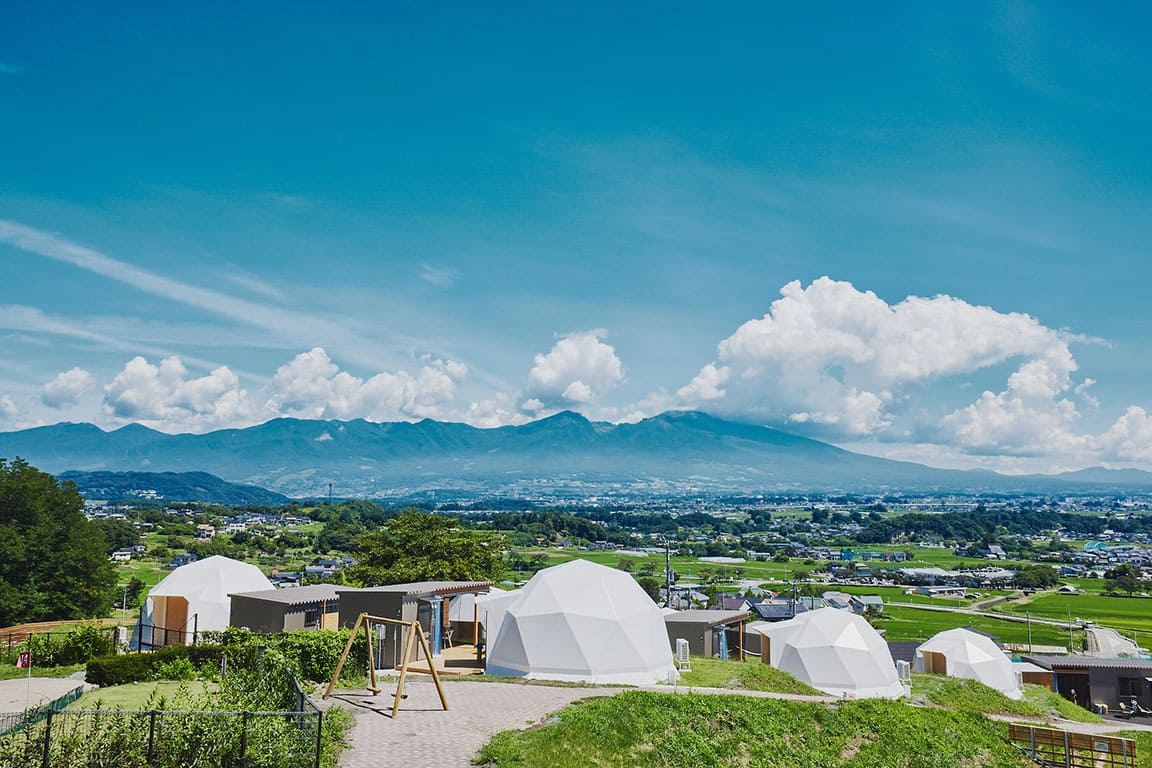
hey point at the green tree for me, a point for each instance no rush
(651, 585)
(118, 533)
(1124, 578)
(419, 547)
(53, 562)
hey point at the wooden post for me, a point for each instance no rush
(475, 621)
(344, 656)
(435, 673)
(372, 684)
(404, 666)
(740, 640)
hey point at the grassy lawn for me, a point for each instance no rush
(915, 624)
(638, 728)
(1143, 746)
(749, 675)
(971, 696)
(1122, 613)
(10, 672)
(140, 696)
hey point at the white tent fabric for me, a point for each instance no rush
(837, 652)
(206, 585)
(582, 622)
(493, 607)
(971, 655)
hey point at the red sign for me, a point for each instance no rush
(24, 660)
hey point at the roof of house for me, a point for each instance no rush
(784, 610)
(903, 650)
(416, 588)
(314, 593)
(705, 617)
(1058, 663)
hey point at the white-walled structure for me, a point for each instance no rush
(967, 654)
(837, 652)
(194, 598)
(582, 622)
(491, 609)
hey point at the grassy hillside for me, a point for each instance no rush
(750, 675)
(971, 696)
(640, 729)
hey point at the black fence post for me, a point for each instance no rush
(243, 736)
(151, 734)
(48, 740)
(319, 738)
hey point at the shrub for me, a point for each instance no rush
(78, 645)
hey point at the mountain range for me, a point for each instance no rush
(674, 453)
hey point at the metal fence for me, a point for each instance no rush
(53, 736)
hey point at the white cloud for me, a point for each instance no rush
(438, 276)
(8, 409)
(1128, 440)
(842, 358)
(67, 388)
(165, 397)
(578, 371)
(312, 386)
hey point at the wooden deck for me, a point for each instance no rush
(457, 660)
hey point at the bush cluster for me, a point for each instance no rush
(309, 655)
(78, 645)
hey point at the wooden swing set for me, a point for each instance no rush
(415, 633)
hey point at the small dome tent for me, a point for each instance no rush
(195, 598)
(837, 652)
(583, 622)
(963, 653)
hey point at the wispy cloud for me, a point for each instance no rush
(11, 69)
(301, 327)
(439, 276)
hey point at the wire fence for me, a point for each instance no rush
(54, 736)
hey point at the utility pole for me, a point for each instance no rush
(667, 574)
(1029, 614)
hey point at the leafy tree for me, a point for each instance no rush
(53, 562)
(135, 591)
(626, 564)
(419, 547)
(118, 533)
(1036, 577)
(651, 585)
(1124, 578)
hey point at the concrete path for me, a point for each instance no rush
(18, 694)
(423, 734)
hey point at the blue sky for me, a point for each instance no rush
(920, 231)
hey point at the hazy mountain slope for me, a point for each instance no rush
(673, 452)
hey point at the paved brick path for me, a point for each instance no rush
(425, 735)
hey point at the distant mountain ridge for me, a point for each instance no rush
(565, 454)
(169, 487)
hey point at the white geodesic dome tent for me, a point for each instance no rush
(195, 598)
(834, 651)
(963, 653)
(583, 622)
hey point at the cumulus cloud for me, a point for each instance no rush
(166, 397)
(313, 386)
(67, 388)
(834, 356)
(578, 371)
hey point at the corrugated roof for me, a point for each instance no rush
(1057, 663)
(427, 587)
(314, 593)
(705, 617)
